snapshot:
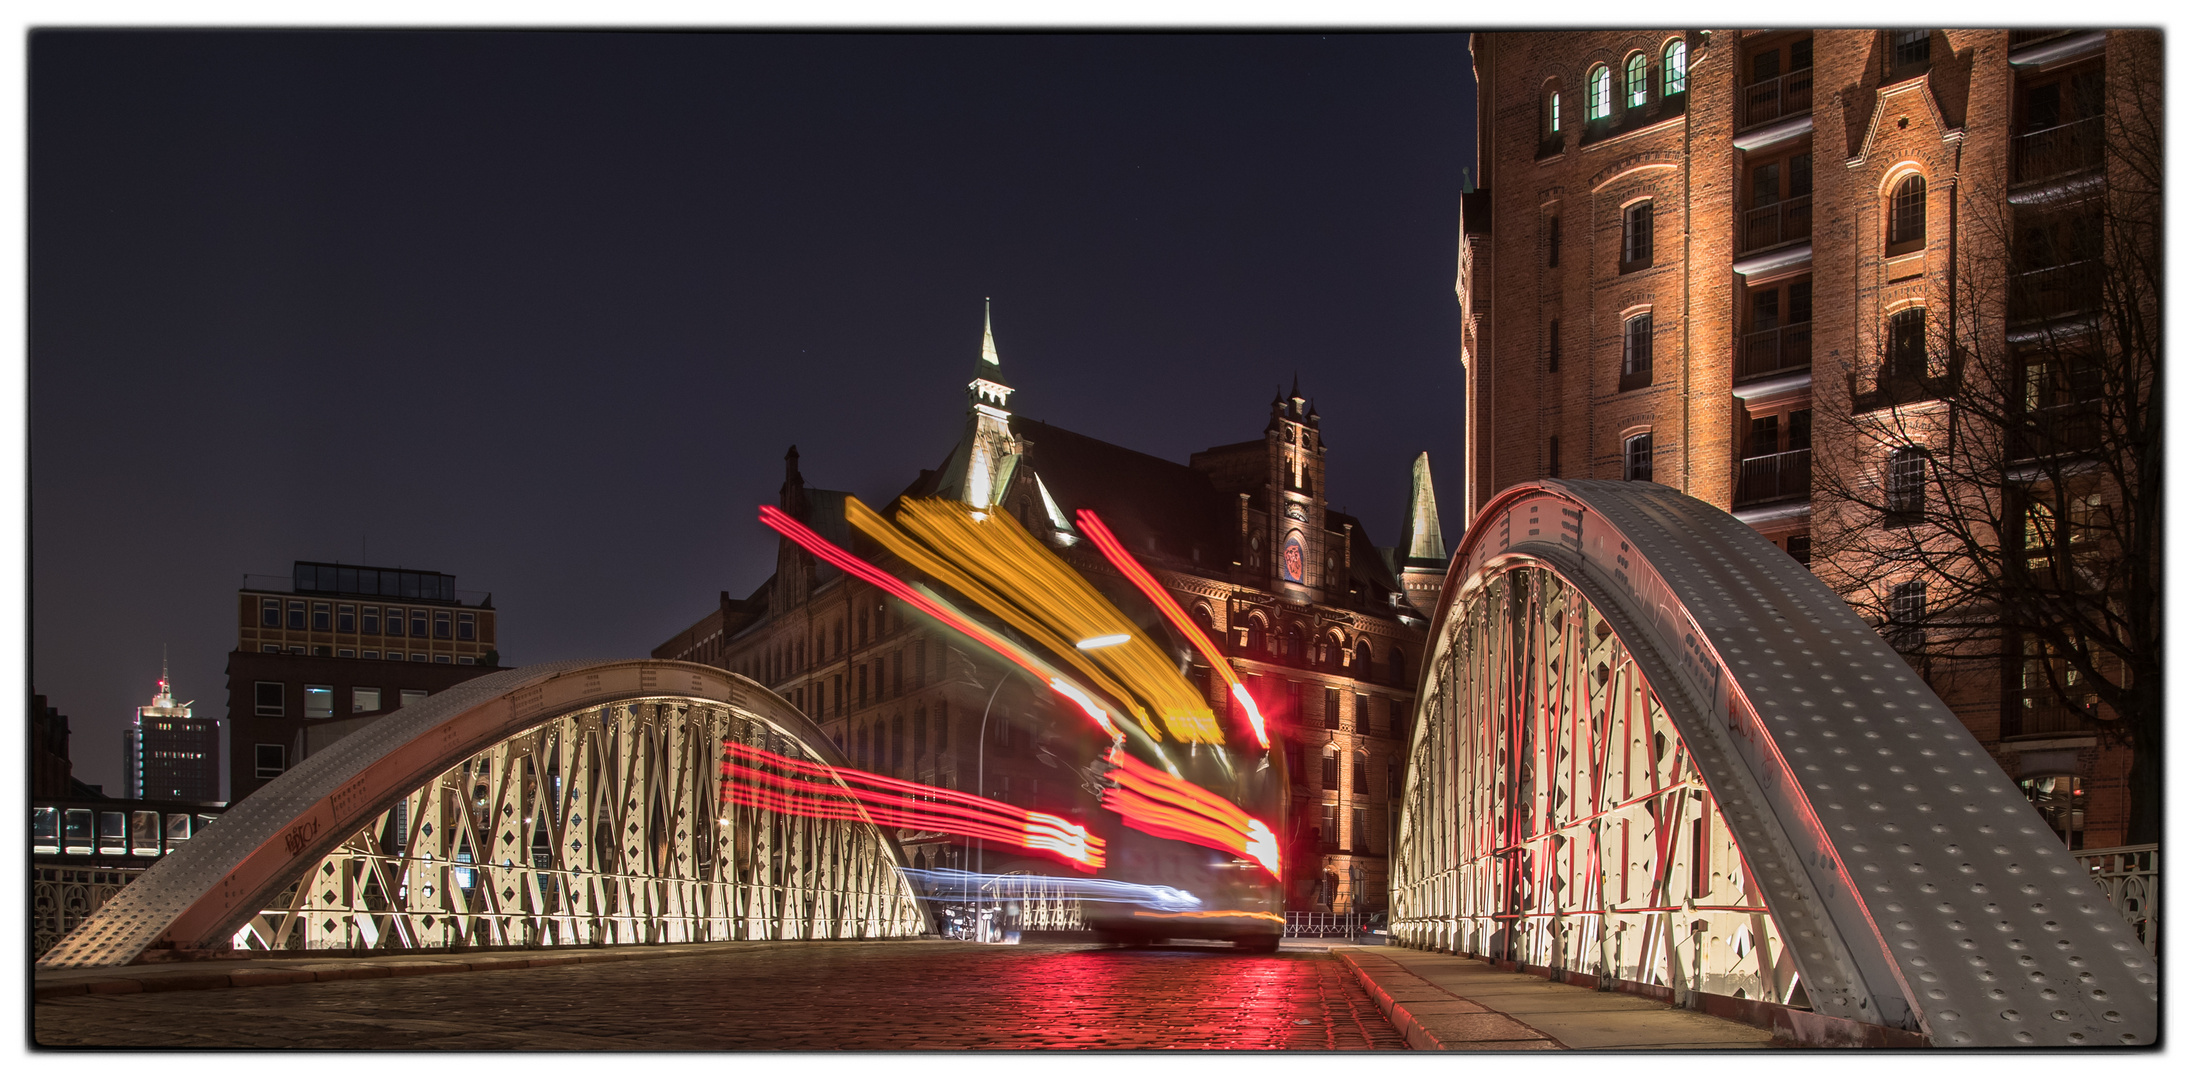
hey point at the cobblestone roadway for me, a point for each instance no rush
(791, 996)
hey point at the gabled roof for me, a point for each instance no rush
(1140, 497)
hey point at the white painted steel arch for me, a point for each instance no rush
(1608, 654)
(568, 803)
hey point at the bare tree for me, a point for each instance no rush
(1994, 495)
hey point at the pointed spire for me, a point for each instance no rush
(1424, 539)
(989, 341)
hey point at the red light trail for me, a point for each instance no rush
(1150, 800)
(807, 789)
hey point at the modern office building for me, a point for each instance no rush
(169, 753)
(340, 644)
(1706, 258)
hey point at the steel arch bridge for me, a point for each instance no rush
(1652, 748)
(559, 804)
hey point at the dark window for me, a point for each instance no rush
(862, 697)
(837, 693)
(441, 625)
(270, 613)
(1396, 718)
(1636, 236)
(1907, 343)
(1909, 50)
(920, 662)
(1360, 840)
(898, 673)
(1636, 352)
(418, 622)
(346, 618)
(395, 622)
(1636, 457)
(920, 731)
(466, 631)
(1765, 436)
(1552, 240)
(1907, 482)
(1800, 548)
(321, 617)
(1907, 615)
(296, 614)
(1361, 777)
(268, 759)
(1331, 709)
(1331, 770)
(1397, 665)
(1362, 712)
(943, 727)
(1800, 429)
(863, 639)
(1552, 345)
(1329, 831)
(898, 742)
(268, 700)
(1907, 215)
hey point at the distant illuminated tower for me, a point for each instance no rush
(171, 754)
(988, 453)
(1422, 550)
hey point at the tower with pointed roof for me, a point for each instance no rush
(982, 465)
(1421, 554)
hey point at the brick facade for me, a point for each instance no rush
(1777, 277)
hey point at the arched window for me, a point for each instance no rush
(1258, 641)
(1398, 665)
(1599, 102)
(1552, 112)
(1636, 350)
(1674, 68)
(1638, 82)
(1204, 618)
(1362, 660)
(1636, 235)
(1636, 457)
(1907, 344)
(1293, 643)
(1907, 215)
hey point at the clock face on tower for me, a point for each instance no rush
(1290, 558)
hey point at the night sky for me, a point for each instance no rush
(543, 311)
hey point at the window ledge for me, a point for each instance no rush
(1637, 380)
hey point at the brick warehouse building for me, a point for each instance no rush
(1678, 230)
(1327, 648)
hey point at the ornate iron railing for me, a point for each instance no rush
(64, 896)
(2132, 879)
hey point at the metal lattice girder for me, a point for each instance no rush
(1906, 879)
(552, 805)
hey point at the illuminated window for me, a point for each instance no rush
(1552, 113)
(1674, 65)
(1638, 81)
(365, 699)
(412, 697)
(319, 702)
(1600, 100)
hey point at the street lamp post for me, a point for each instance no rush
(981, 746)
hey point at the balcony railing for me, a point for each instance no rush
(1770, 478)
(1777, 223)
(1766, 352)
(1772, 99)
(2061, 150)
(2050, 720)
(2061, 429)
(2054, 291)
